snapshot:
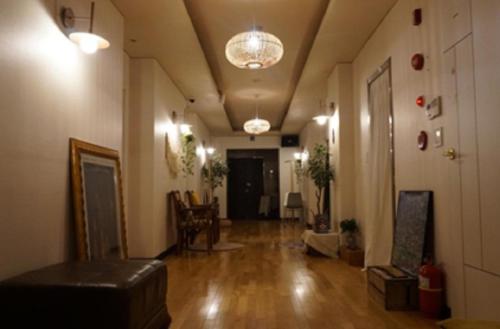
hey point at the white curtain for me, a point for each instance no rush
(379, 215)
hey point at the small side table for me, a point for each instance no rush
(324, 243)
(353, 257)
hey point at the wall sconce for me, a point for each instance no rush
(185, 129)
(210, 150)
(301, 156)
(321, 119)
(89, 42)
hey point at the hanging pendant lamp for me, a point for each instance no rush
(256, 126)
(254, 50)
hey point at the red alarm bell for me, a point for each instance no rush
(420, 101)
(417, 16)
(417, 62)
(422, 141)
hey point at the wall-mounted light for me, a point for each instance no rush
(323, 116)
(321, 119)
(185, 129)
(210, 150)
(89, 42)
(301, 156)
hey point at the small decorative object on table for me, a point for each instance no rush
(321, 173)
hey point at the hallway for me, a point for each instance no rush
(271, 283)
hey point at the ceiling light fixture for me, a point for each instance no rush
(254, 50)
(89, 42)
(256, 126)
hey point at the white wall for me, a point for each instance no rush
(398, 39)
(222, 144)
(153, 99)
(49, 91)
(461, 55)
(340, 92)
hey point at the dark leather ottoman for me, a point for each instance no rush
(126, 294)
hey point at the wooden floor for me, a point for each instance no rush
(271, 283)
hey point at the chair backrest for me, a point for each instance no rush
(293, 200)
(192, 198)
(177, 204)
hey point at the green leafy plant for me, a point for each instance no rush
(320, 172)
(214, 171)
(349, 226)
(188, 156)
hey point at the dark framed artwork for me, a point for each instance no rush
(97, 202)
(413, 230)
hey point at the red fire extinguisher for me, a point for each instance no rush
(431, 290)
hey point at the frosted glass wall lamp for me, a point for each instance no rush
(210, 150)
(89, 42)
(322, 119)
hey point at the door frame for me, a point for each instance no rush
(387, 66)
(278, 174)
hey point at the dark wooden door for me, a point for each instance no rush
(245, 186)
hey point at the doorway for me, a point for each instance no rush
(253, 184)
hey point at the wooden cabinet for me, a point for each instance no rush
(398, 293)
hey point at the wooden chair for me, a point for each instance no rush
(191, 221)
(194, 201)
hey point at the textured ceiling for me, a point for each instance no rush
(188, 38)
(296, 24)
(162, 30)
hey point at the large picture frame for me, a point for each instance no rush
(97, 202)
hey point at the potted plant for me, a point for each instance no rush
(188, 155)
(213, 173)
(349, 227)
(321, 173)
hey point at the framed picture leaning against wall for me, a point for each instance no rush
(97, 202)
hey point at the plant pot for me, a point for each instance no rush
(321, 224)
(350, 240)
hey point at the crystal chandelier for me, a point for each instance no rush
(256, 126)
(254, 50)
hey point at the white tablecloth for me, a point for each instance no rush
(325, 243)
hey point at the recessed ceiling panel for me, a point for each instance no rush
(294, 22)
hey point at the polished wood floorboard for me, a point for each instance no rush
(271, 283)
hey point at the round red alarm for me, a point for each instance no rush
(420, 101)
(417, 62)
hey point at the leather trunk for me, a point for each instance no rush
(128, 294)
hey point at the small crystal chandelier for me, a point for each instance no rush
(254, 50)
(256, 126)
